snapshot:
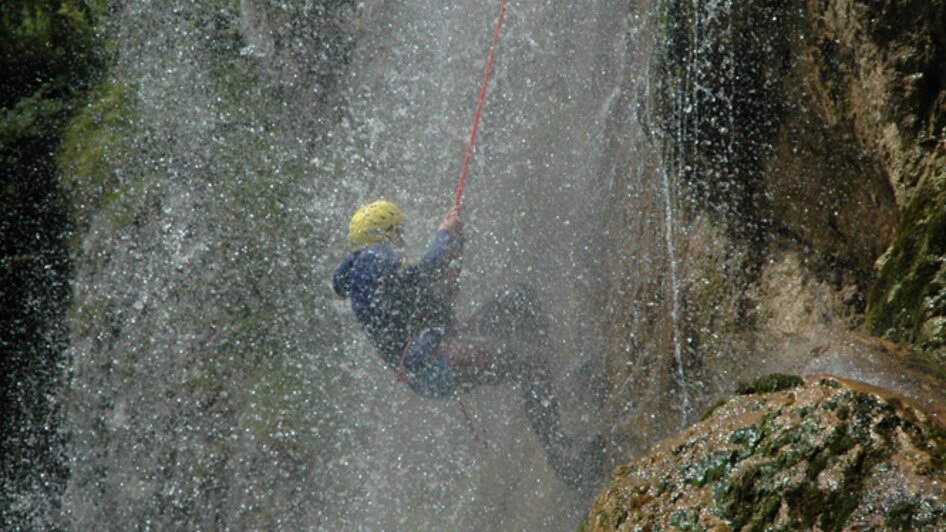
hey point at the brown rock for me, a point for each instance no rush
(822, 452)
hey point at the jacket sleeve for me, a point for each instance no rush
(383, 264)
(445, 247)
(341, 280)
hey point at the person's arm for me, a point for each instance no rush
(342, 277)
(446, 246)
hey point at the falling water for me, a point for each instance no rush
(675, 300)
(216, 382)
(527, 209)
(703, 121)
(688, 108)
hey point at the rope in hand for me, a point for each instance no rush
(479, 102)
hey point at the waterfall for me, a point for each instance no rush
(215, 381)
(693, 188)
(700, 157)
(675, 316)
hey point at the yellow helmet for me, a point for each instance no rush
(375, 222)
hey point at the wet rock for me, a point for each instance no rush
(802, 178)
(821, 452)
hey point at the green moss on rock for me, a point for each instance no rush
(710, 409)
(775, 382)
(908, 300)
(910, 271)
(812, 455)
(93, 142)
(50, 56)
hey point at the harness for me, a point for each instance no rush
(401, 373)
(447, 291)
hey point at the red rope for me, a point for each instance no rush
(470, 425)
(466, 164)
(479, 102)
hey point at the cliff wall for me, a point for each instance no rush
(801, 147)
(802, 150)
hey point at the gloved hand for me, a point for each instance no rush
(451, 220)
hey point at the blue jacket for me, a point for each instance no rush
(404, 306)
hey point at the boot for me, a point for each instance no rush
(578, 463)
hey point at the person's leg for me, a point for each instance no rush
(489, 348)
(477, 360)
(577, 461)
(541, 404)
(513, 314)
(507, 340)
(474, 360)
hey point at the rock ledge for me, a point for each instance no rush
(820, 452)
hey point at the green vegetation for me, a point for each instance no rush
(766, 482)
(712, 408)
(811, 461)
(50, 49)
(50, 59)
(91, 141)
(583, 525)
(710, 469)
(908, 300)
(915, 513)
(775, 382)
(619, 517)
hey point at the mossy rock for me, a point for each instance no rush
(907, 302)
(819, 452)
(92, 141)
(775, 382)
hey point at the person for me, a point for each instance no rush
(406, 308)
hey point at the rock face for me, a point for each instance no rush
(792, 205)
(788, 453)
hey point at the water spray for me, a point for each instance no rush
(479, 102)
